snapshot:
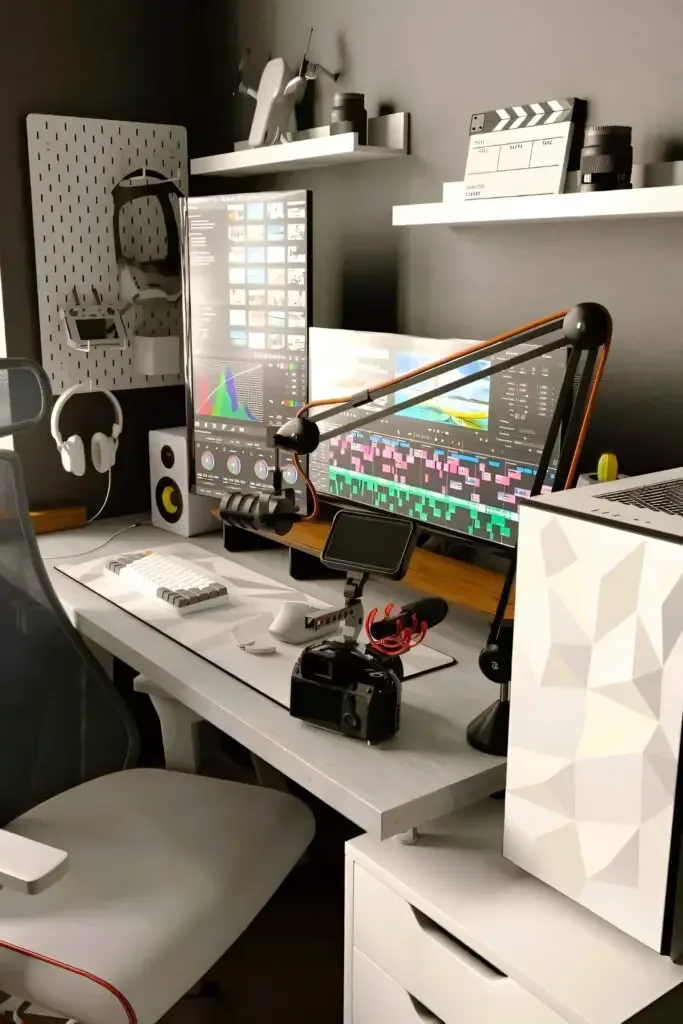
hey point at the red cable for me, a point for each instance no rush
(79, 972)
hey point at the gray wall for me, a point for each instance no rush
(143, 61)
(444, 60)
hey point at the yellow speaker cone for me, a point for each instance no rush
(167, 500)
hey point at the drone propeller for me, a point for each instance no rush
(310, 70)
(241, 88)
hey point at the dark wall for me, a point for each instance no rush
(125, 59)
(443, 60)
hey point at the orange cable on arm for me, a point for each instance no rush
(470, 350)
(590, 405)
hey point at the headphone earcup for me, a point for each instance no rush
(102, 452)
(72, 454)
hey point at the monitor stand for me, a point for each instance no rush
(303, 566)
(237, 540)
(449, 547)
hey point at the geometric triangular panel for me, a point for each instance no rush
(630, 695)
(613, 655)
(529, 767)
(566, 667)
(599, 688)
(611, 729)
(561, 851)
(557, 551)
(654, 794)
(660, 757)
(555, 794)
(600, 844)
(649, 686)
(608, 789)
(619, 591)
(564, 627)
(623, 869)
(672, 618)
(645, 657)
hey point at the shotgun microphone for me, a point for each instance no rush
(428, 610)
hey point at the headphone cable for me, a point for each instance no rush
(104, 503)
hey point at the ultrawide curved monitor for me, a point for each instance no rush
(458, 463)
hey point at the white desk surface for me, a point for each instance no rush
(428, 770)
(573, 961)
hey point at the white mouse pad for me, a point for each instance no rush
(209, 633)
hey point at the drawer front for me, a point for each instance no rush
(432, 966)
(378, 999)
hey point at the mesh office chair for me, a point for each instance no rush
(121, 886)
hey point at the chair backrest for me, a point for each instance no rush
(25, 395)
(61, 720)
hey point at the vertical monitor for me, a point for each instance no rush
(249, 306)
(459, 462)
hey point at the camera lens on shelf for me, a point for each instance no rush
(349, 115)
(606, 158)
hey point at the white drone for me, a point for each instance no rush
(279, 92)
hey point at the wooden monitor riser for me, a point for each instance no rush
(459, 583)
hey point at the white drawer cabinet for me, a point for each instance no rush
(377, 997)
(445, 931)
(431, 966)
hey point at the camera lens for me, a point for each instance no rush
(606, 158)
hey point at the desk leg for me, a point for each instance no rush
(179, 728)
(268, 776)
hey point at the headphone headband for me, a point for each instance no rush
(80, 388)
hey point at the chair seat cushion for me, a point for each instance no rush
(165, 872)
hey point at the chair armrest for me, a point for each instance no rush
(27, 865)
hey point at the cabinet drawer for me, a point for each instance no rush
(449, 979)
(378, 999)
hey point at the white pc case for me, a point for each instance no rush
(594, 798)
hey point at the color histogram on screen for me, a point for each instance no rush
(232, 392)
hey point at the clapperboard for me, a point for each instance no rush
(523, 150)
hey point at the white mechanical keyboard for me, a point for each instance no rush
(173, 582)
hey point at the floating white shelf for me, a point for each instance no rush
(454, 211)
(387, 137)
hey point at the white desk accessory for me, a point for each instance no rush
(103, 447)
(174, 507)
(426, 771)
(176, 584)
(521, 150)
(295, 623)
(594, 792)
(277, 96)
(446, 930)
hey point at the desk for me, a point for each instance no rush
(425, 772)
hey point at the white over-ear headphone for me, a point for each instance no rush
(102, 447)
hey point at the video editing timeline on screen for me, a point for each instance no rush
(460, 461)
(249, 301)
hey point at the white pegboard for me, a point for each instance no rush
(74, 164)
